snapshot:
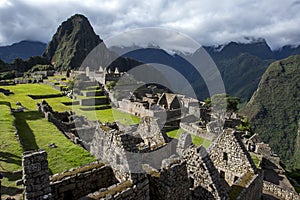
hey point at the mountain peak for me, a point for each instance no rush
(72, 42)
(254, 46)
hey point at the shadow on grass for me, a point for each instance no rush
(25, 132)
(11, 191)
(95, 108)
(5, 103)
(12, 176)
(7, 157)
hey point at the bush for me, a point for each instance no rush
(7, 75)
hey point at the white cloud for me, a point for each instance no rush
(207, 21)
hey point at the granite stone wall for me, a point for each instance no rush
(204, 177)
(81, 181)
(279, 192)
(171, 182)
(252, 190)
(36, 175)
(125, 190)
(230, 156)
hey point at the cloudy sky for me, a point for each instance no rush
(209, 22)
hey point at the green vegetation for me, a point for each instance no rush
(64, 49)
(8, 75)
(39, 68)
(295, 175)
(241, 73)
(256, 161)
(274, 110)
(21, 92)
(196, 139)
(37, 133)
(245, 125)
(10, 149)
(231, 103)
(111, 84)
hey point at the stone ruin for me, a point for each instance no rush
(36, 176)
(180, 169)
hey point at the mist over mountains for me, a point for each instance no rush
(241, 65)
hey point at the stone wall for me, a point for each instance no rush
(138, 109)
(109, 145)
(252, 190)
(81, 84)
(205, 178)
(93, 101)
(196, 174)
(150, 131)
(92, 93)
(170, 182)
(199, 112)
(230, 156)
(81, 181)
(197, 131)
(36, 175)
(126, 190)
(276, 190)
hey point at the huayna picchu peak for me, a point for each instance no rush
(72, 42)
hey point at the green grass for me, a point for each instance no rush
(107, 115)
(37, 133)
(196, 139)
(10, 149)
(22, 90)
(256, 161)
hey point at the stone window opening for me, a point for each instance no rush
(225, 156)
(235, 178)
(192, 182)
(222, 174)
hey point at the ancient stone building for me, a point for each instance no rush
(142, 164)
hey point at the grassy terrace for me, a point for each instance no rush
(196, 139)
(10, 150)
(36, 133)
(21, 91)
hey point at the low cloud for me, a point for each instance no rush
(208, 22)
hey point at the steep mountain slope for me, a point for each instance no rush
(71, 43)
(23, 50)
(159, 56)
(241, 66)
(241, 74)
(274, 109)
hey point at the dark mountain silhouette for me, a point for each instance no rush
(71, 43)
(23, 50)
